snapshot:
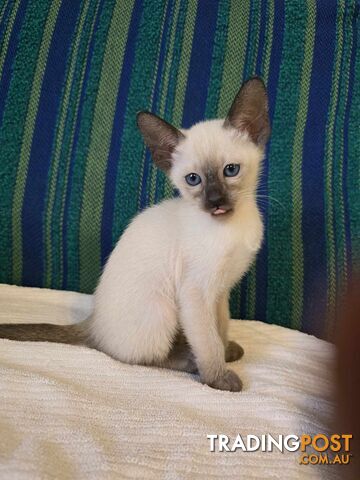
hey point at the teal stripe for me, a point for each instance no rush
(280, 248)
(12, 131)
(217, 61)
(296, 168)
(28, 136)
(353, 169)
(139, 97)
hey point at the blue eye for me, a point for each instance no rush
(193, 179)
(231, 170)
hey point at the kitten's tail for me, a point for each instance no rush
(77, 334)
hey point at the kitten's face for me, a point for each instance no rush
(215, 167)
(214, 164)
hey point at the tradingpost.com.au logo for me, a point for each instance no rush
(314, 449)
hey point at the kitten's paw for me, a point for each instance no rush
(228, 381)
(233, 352)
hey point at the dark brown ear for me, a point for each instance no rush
(249, 111)
(161, 138)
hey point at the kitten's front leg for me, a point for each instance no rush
(198, 317)
(233, 351)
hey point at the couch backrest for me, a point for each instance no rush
(74, 171)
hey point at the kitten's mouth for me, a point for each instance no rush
(220, 211)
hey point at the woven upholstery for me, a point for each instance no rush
(74, 170)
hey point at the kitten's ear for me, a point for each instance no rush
(161, 138)
(249, 111)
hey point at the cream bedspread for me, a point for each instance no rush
(73, 413)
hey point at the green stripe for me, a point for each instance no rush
(235, 53)
(3, 9)
(339, 207)
(353, 171)
(329, 173)
(12, 126)
(253, 39)
(181, 83)
(296, 169)
(51, 214)
(280, 248)
(27, 138)
(6, 38)
(270, 12)
(91, 214)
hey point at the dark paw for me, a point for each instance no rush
(228, 381)
(233, 352)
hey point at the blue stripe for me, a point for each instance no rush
(200, 63)
(117, 134)
(40, 158)
(148, 164)
(313, 219)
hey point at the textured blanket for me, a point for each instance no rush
(73, 413)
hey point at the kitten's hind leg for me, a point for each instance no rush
(180, 356)
(233, 351)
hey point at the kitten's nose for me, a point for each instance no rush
(215, 199)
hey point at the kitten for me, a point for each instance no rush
(163, 297)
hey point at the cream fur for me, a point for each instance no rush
(175, 264)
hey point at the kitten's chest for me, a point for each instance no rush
(225, 254)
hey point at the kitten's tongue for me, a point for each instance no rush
(219, 211)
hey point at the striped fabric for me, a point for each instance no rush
(74, 170)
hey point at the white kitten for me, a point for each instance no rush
(163, 296)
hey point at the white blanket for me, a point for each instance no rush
(73, 413)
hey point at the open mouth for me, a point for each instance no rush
(220, 211)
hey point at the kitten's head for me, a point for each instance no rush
(214, 164)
